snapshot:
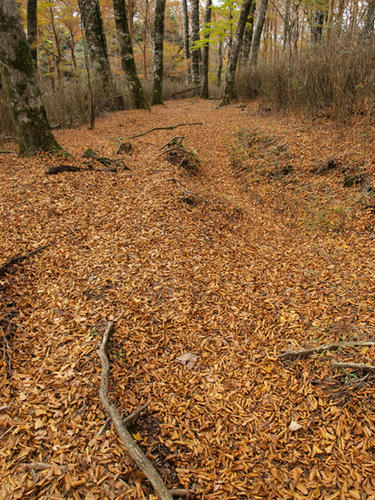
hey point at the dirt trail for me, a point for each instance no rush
(255, 255)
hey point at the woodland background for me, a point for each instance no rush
(314, 54)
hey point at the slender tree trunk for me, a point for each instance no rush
(127, 58)
(220, 65)
(206, 48)
(246, 43)
(145, 30)
(58, 55)
(228, 91)
(96, 42)
(72, 46)
(286, 37)
(32, 29)
(257, 34)
(157, 63)
(195, 37)
(20, 82)
(186, 41)
(130, 19)
(368, 30)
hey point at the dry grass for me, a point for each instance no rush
(339, 77)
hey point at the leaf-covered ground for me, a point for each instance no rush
(264, 250)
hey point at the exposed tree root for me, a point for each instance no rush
(171, 127)
(104, 160)
(133, 449)
(302, 353)
(354, 366)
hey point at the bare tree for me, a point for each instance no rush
(19, 79)
(228, 91)
(157, 87)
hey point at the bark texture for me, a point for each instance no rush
(19, 78)
(195, 37)
(206, 48)
(257, 33)
(96, 42)
(228, 91)
(157, 63)
(368, 29)
(186, 40)
(127, 58)
(248, 35)
(32, 28)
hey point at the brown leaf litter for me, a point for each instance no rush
(268, 257)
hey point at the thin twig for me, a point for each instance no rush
(354, 366)
(171, 127)
(130, 444)
(301, 353)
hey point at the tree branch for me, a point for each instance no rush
(301, 353)
(354, 366)
(171, 127)
(133, 449)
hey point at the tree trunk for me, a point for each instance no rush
(58, 55)
(206, 48)
(127, 58)
(220, 66)
(257, 34)
(19, 78)
(195, 37)
(248, 35)
(368, 30)
(145, 31)
(228, 91)
(157, 87)
(32, 29)
(92, 23)
(186, 41)
(130, 19)
(286, 37)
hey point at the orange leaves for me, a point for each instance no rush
(205, 298)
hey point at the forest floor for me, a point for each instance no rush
(270, 247)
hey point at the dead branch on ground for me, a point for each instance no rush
(104, 160)
(127, 421)
(302, 353)
(177, 154)
(171, 127)
(354, 366)
(133, 449)
(19, 258)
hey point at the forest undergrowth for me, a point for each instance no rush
(209, 276)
